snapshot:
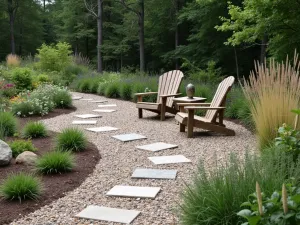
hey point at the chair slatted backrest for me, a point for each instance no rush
(169, 84)
(220, 96)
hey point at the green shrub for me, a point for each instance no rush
(22, 78)
(21, 187)
(210, 75)
(34, 130)
(43, 78)
(71, 139)
(85, 86)
(55, 162)
(282, 207)
(94, 87)
(126, 91)
(62, 98)
(74, 69)
(19, 146)
(101, 88)
(55, 57)
(112, 90)
(215, 196)
(8, 124)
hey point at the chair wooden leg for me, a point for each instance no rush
(163, 109)
(181, 127)
(140, 113)
(190, 123)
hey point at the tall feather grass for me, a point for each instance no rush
(273, 90)
(13, 60)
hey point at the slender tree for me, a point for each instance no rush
(12, 8)
(140, 12)
(98, 15)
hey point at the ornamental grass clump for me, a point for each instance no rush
(21, 187)
(272, 92)
(71, 139)
(13, 60)
(8, 124)
(55, 162)
(34, 130)
(215, 195)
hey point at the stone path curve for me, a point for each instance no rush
(120, 159)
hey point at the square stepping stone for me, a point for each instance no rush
(84, 122)
(169, 159)
(76, 98)
(134, 191)
(111, 105)
(98, 101)
(86, 99)
(94, 212)
(104, 110)
(87, 116)
(129, 137)
(101, 129)
(155, 147)
(154, 174)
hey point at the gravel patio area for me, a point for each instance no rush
(120, 159)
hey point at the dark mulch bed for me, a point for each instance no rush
(54, 186)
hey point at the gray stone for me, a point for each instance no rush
(86, 99)
(129, 137)
(98, 101)
(84, 122)
(94, 212)
(154, 174)
(133, 191)
(103, 106)
(27, 158)
(155, 147)
(5, 153)
(104, 110)
(76, 97)
(87, 116)
(169, 159)
(101, 129)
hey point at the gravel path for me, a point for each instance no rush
(120, 159)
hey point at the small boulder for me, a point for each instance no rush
(5, 154)
(27, 158)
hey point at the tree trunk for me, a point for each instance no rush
(263, 49)
(176, 32)
(142, 36)
(99, 38)
(236, 62)
(11, 12)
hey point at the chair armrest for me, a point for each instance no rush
(204, 108)
(193, 104)
(145, 93)
(171, 95)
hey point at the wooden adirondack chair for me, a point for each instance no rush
(215, 110)
(167, 89)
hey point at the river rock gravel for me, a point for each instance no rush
(120, 159)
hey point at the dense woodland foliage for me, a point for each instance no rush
(155, 35)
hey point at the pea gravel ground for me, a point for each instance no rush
(120, 159)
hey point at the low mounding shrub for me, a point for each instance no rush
(43, 78)
(22, 78)
(126, 91)
(34, 130)
(101, 88)
(112, 90)
(42, 100)
(62, 98)
(85, 86)
(8, 124)
(272, 92)
(20, 187)
(214, 196)
(19, 146)
(13, 60)
(55, 162)
(71, 139)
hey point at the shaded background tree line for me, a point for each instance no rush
(155, 35)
